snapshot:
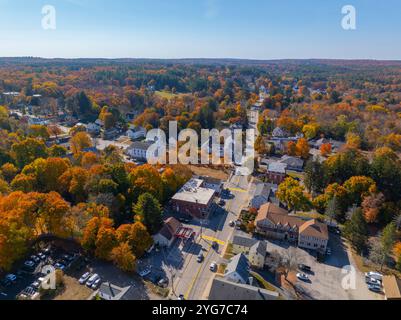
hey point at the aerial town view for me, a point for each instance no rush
(200, 151)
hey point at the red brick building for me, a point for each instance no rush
(194, 199)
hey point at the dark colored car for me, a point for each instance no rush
(305, 268)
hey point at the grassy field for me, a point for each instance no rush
(73, 291)
(204, 171)
(166, 95)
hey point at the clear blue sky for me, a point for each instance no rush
(260, 29)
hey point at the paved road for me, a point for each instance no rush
(194, 278)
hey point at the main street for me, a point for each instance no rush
(195, 278)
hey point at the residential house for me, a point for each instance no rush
(138, 150)
(108, 291)
(260, 195)
(237, 269)
(225, 290)
(93, 128)
(254, 249)
(313, 235)
(99, 122)
(277, 172)
(166, 235)
(110, 134)
(279, 133)
(275, 222)
(335, 144)
(392, 288)
(257, 254)
(194, 199)
(293, 163)
(135, 133)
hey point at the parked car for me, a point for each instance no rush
(200, 258)
(163, 283)
(145, 272)
(29, 265)
(215, 245)
(35, 259)
(374, 288)
(59, 266)
(222, 202)
(304, 268)
(67, 258)
(36, 285)
(42, 256)
(232, 224)
(85, 277)
(374, 275)
(96, 284)
(184, 220)
(213, 267)
(372, 281)
(11, 278)
(302, 276)
(92, 280)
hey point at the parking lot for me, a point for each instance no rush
(26, 278)
(329, 280)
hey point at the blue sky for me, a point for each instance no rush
(253, 29)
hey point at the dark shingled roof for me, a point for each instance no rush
(224, 290)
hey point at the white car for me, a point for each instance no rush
(373, 281)
(302, 276)
(213, 267)
(374, 275)
(92, 280)
(96, 284)
(84, 278)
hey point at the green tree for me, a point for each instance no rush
(27, 151)
(314, 177)
(356, 230)
(382, 249)
(332, 209)
(148, 211)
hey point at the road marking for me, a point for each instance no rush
(237, 189)
(207, 238)
(196, 276)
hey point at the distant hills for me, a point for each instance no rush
(191, 61)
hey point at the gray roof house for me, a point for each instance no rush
(260, 195)
(254, 249)
(238, 269)
(224, 290)
(108, 291)
(293, 163)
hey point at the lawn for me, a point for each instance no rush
(73, 291)
(213, 173)
(166, 95)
